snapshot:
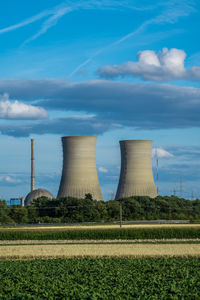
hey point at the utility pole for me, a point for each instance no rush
(120, 212)
(181, 188)
(174, 192)
(112, 196)
(192, 196)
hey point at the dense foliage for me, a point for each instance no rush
(102, 234)
(101, 278)
(70, 210)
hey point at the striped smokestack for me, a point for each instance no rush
(32, 166)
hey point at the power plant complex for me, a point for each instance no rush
(79, 173)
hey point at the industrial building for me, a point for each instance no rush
(136, 176)
(35, 194)
(79, 173)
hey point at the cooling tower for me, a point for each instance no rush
(79, 174)
(136, 176)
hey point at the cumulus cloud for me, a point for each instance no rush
(103, 170)
(110, 105)
(167, 64)
(18, 110)
(161, 153)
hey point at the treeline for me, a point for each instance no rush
(72, 210)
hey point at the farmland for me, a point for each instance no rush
(95, 233)
(101, 278)
(97, 241)
(100, 262)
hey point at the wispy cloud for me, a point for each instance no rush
(173, 10)
(9, 179)
(25, 22)
(65, 7)
(55, 14)
(52, 21)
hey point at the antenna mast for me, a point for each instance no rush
(32, 166)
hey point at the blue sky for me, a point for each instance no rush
(116, 69)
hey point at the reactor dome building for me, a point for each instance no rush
(136, 176)
(79, 173)
(35, 194)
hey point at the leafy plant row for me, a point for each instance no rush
(101, 234)
(102, 278)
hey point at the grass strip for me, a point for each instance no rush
(104, 243)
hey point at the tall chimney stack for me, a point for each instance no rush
(32, 166)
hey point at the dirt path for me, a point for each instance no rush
(67, 227)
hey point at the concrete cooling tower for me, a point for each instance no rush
(136, 176)
(79, 174)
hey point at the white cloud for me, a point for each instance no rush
(161, 66)
(164, 65)
(18, 110)
(103, 170)
(161, 153)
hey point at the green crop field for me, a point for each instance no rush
(101, 278)
(109, 234)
